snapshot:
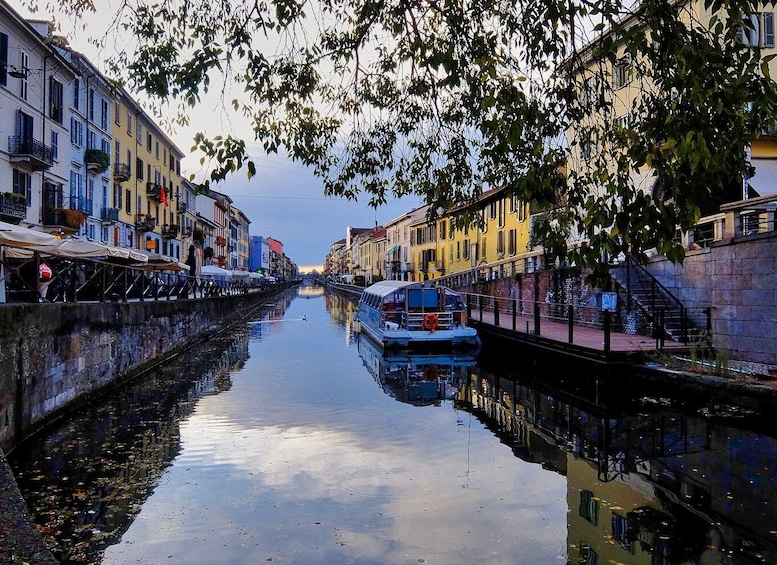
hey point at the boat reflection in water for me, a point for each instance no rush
(416, 378)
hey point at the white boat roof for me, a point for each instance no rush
(384, 288)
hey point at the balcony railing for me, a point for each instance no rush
(121, 172)
(27, 150)
(85, 205)
(109, 214)
(170, 231)
(13, 207)
(154, 190)
(186, 231)
(182, 207)
(97, 161)
(145, 222)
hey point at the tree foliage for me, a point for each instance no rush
(446, 98)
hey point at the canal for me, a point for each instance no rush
(290, 440)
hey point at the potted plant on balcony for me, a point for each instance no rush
(65, 217)
(97, 160)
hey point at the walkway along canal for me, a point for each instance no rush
(289, 439)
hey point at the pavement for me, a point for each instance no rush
(20, 541)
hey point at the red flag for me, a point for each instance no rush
(163, 196)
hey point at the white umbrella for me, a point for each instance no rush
(15, 236)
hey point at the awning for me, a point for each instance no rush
(390, 251)
(15, 236)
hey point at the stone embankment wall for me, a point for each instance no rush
(54, 354)
(738, 280)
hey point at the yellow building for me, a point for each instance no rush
(490, 247)
(146, 182)
(614, 89)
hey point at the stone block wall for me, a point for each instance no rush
(738, 280)
(54, 354)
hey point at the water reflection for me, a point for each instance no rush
(653, 485)
(341, 310)
(416, 378)
(86, 481)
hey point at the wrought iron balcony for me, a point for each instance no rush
(13, 207)
(170, 231)
(145, 222)
(182, 207)
(154, 190)
(109, 214)
(186, 231)
(31, 151)
(97, 161)
(121, 172)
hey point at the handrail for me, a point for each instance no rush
(664, 292)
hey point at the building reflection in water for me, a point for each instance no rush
(646, 483)
(416, 378)
(85, 482)
(342, 309)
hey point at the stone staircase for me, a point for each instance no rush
(665, 311)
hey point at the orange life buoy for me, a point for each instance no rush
(430, 322)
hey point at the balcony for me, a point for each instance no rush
(145, 222)
(67, 220)
(186, 231)
(169, 231)
(13, 207)
(220, 240)
(34, 153)
(182, 207)
(109, 214)
(85, 205)
(97, 161)
(154, 190)
(121, 172)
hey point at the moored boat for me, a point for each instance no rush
(408, 314)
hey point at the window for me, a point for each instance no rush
(139, 132)
(24, 66)
(22, 184)
(76, 132)
(117, 192)
(156, 150)
(117, 152)
(621, 73)
(56, 100)
(105, 145)
(54, 144)
(589, 506)
(139, 168)
(3, 59)
(492, 211)
(90, 104)
(500, 242)
(148, 142)
(465, 249)
(767, 21)
(76, 93)
(117, 113)
(91, 139)
(129, 123)
(512, 242)
(500, 212)
(104, 112)
(458, 251)
(442, 230)
(128, 201)
(129, 161)
(521, 211)
(620, 532)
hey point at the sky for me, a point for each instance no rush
(284, 200)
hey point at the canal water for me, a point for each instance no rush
(289, 439)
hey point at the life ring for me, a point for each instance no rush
(430, 322)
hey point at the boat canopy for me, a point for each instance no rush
(384, 288)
